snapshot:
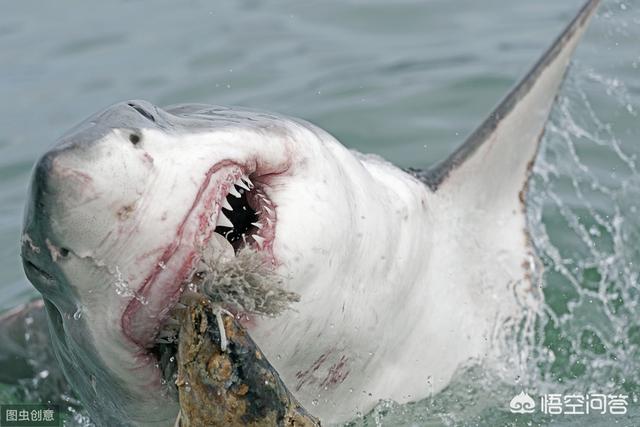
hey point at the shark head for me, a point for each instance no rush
(122, 207)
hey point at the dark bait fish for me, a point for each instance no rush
(225, 380)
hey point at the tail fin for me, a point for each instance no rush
(495, 160)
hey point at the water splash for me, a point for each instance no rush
(584, 225)
(123, 289)
(583, 205)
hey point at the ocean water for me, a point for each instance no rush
(407, 80)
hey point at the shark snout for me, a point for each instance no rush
(58, 179)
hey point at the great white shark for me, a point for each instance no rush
(402, 275)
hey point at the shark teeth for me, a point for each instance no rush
(235, 193)
(173, 322)
(240, 220)
(165, 333)
(169, 332)
(259, 240)
(248, 182)
(223, 221)
(242, 184)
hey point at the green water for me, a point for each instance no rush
(406, 80)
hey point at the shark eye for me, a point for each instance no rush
(134, 138)
(64, 252)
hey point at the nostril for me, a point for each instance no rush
(134, 138)
(142, 111)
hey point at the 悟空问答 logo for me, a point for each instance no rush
(522, 404)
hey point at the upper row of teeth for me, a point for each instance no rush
(245, 183)
(242, 182)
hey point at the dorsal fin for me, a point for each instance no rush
(498, 154)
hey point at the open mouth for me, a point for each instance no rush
(237, 204)
(246, 216)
